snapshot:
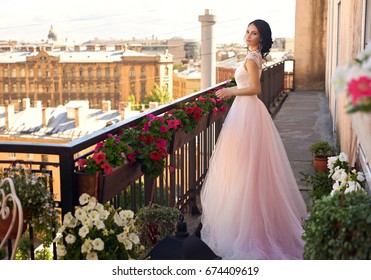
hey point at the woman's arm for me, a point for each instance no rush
(253, 89)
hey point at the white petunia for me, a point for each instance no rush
(83, 231)
(68, 218)
(84, 199)
(128, 214)
(99, 224)
(343, 157)
(80, 214)
(61, 250)
(133, 238)
(87, 246)
(70, 239)
(360, 176)
(98, 244)
(336, 186)
(92, 256)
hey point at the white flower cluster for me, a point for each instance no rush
(91, 225)
(345, 180)
(360, 66)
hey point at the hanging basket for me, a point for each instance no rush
(105, 187)
(181, 137)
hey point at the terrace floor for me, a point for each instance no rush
(303, 119)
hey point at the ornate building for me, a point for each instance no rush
(55, 74)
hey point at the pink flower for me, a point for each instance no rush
(108, 170)
(155, 156)
(131, 158)
(163, 129)
(99, 157)
(359, 88)
(173, 124)
(215, 111)
(161, 143)
(82, 162)
(98, 146)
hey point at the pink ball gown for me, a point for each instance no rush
(251, 205)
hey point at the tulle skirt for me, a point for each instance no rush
(251, 205)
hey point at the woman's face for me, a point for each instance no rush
(252, 37)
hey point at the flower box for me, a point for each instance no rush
(105, 187)
(181, 137)
(213, 117)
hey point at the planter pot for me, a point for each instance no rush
(361, 123)
(105, 187)
(219, 115)
(180, 137)
(5, 225)
(320, 164)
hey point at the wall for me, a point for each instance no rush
(310, 44)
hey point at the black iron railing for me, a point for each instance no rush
(178, 185)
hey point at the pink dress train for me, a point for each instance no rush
(251, 205)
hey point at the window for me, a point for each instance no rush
(90, 72)
(23, 72)
(14, 88)
(31, 73)
(99, 73)
(39, 72)
(23, 88)
(40, 88)
(47, 73)
(6, 88)
(166, 71)
(81, 72)
(12, 156)
(6, 72)
(108, 72)
(55, 72)
(14, 73)
(72, 72)
(143, 71)
(132, 72)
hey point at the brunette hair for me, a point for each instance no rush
(265, 36)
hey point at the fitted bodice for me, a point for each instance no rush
(241, 74)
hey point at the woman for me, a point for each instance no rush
(251, 204)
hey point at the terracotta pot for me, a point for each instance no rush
(105, 187)
(320, 164)
(5, 225)
(181, 138)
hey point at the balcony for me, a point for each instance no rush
(178, 186)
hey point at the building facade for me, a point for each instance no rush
(55, 75)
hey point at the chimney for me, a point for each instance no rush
(38, 104)
(77, 117)
(106, 105)
(9, 116)
(26, 103)
(153, 105)
(124, 108)
(44, 121)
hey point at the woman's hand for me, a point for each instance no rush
(224, 93)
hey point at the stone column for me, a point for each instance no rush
(208, 47)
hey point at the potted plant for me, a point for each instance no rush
(155, 222)
(110, 169)
(339, 227)
(37, 200)
(320, 184)
(321, 150)
(96, 231)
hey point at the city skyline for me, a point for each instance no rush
(83, 20)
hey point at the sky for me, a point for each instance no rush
(78, 21)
